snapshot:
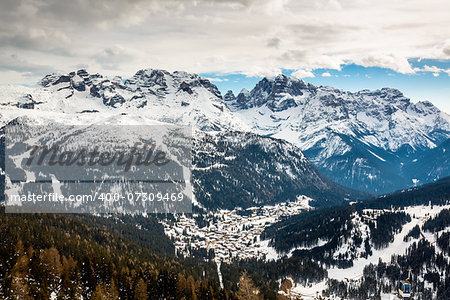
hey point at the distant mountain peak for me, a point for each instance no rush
(355, 138)
(271, 91)
(229, 96)
(244, 91)
(178, 97)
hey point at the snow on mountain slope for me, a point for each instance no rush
(232, 167)
(245, 169)
(383, 117)
(365, 140)
(354, 138)
(398, 246)
(178, 98)
(401, 244)
(369, 246)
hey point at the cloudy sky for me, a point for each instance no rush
(350, 44)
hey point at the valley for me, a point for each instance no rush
(234, 234)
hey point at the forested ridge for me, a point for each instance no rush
(130, 257)
(72, 256)
(334, 230)
(332, 237)
(333, 224)
(429, 269)
(123, 257)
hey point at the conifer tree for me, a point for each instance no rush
(247, 290)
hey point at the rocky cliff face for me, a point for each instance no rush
(177, 97)
(363, 140)
(229, 97)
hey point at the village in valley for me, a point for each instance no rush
(231, 234)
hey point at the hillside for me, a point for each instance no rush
(52, 256)
(243, 169)
(367, 247)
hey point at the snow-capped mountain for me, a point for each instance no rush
(361, 140)
(232, 167)
(25, 175)
(177, 97)
(377, 141)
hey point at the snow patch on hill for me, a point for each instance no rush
(419, 215)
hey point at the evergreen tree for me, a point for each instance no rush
(247, 290)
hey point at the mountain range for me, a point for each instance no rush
(232, 166)
(375, 141)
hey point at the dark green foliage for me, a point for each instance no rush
(306, 228)
(413, 233)
(426, 266)
(443, 242)
(254, 175)
(265, 274)
(436, 193)
(90, 256)
(335, 227)
(438, 223)
(387, 225)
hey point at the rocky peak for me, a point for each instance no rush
(427, 108)
(148, 79)
(148, 88)
(79, 81)
(277, 93)
(186, 87)
(229, 96)
(244, 91)
(289, 85)
(244, 97)
(382, 93)
(160, 82)
(210, 87)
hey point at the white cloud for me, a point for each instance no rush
(446, 48)
(326, 74)
(389, 61)
(111, 58)
(18, 64)
(432, 69)
(427, 68)
(217, 79)
(252, 37)
(302, 74)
